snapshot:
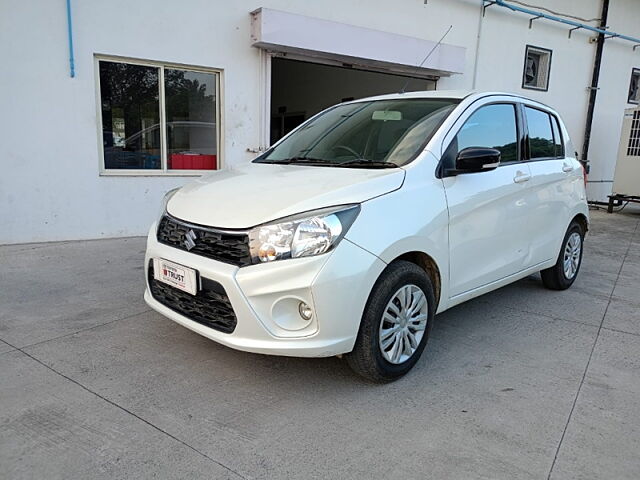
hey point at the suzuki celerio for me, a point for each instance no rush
(348, 235)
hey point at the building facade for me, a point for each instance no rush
(160, 92)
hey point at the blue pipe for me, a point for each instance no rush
(553, 18)
(72, 67)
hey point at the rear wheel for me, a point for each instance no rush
(395, 325)
(562, 275)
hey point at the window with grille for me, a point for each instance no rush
(537, 66)
(634, 87)
(633, 149)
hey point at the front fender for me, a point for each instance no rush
(411, 219)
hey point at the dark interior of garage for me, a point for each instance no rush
(300, 89)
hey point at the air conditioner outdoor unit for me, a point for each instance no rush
(626, 182)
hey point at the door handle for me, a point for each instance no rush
(521, 177)
(567, 167)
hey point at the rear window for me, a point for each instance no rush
(541, 141)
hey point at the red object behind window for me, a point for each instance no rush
(182, 161)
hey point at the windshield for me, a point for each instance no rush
(374, 134)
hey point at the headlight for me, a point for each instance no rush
(165, 200)
(304, 235)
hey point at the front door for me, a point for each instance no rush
(488, 211)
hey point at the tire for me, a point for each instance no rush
(556, 277)
(371, 357)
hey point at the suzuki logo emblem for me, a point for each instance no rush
(190, 239)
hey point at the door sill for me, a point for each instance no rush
(501, 281)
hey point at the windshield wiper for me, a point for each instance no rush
(297, 160)
(358, 163)
(363, 163)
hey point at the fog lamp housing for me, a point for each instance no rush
(306, 312)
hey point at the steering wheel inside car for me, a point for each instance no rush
(348, 149)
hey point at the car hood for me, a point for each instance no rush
(256, 193)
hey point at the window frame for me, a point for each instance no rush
(552, 117)
(556, 121)
(524, 68)
(520, 134)
(164, 171)
(634, 72)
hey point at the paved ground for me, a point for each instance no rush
(520, 383)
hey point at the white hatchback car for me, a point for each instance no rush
(350, 234)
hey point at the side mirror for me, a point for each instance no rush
(476, 159)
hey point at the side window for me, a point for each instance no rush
(491, 126)
(557, 137)
(541, 143)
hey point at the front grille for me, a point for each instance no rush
(210, 306)
(223, 246)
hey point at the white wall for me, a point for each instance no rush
(505, 36)
(50, 187)
(618, 60)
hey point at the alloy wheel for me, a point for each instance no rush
(572, 251)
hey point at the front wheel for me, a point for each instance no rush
(562, 275)
(395, 325)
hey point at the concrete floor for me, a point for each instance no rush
(521, 383)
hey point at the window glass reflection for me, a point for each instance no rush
(190, 99)
(540, 137)
(493, 126)
(130, 116)
(557, 137)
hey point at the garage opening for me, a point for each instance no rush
(301, 89)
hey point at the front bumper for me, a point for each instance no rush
(265, 299)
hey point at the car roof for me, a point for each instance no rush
(450, 94)
(457, 94)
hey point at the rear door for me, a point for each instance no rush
(488, 211)
(551, 182)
